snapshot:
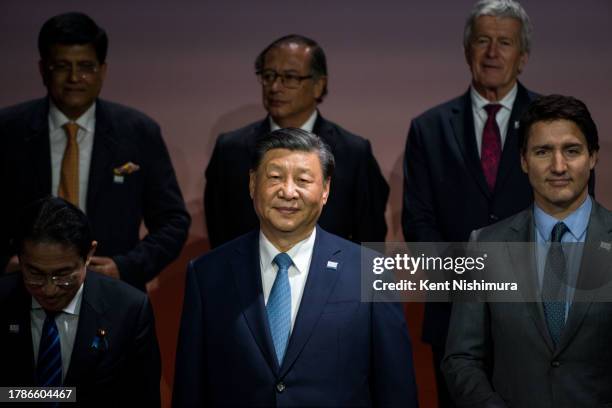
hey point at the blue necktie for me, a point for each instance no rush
(553, 292)
(49, 367)
(279, 306)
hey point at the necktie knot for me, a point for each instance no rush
(71, 130)
(492, 109)
(283, 261)
(557, 232)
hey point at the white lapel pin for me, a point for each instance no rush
(332, 265)
(13, 328)
(605, 245)
(117, 179)
(516, 124)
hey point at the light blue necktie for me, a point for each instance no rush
(553, 289)
(279, 306)
(49, 367)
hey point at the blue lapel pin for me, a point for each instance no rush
(99, 342)
(332, 265)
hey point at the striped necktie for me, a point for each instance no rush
(49, 367)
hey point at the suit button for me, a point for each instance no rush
(280, 387)
(493, 218)
(555, 364)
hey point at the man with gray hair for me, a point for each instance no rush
(278, 314)
(461, 166)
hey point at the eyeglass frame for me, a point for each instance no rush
(82, 69)
(283, 78)
(55, 280)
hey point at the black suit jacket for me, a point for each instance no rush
(501, 354)
(445, 193)
(355, 209)
(114, 209)
(126, 371)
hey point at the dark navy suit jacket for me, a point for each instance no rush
(342, 352)
(114, 209)
(124, 370)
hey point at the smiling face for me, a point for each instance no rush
(73, 77)
(494, 55)
(288, 192)
(558, 163)
(291, 107)
(42, 260)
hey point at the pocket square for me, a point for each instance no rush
(127, 168)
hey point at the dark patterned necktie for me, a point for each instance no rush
(490, 153)
(553, 286)
(49, 367)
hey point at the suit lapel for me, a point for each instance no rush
(511, 150)
(84, 357)
(247, 276)
(21, 346)
(319, 285)
(594, 265)
(104, 150)
(523, 231)
(38, 143)
(462, 122)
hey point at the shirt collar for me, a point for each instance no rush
(576, 222)
(300, 253)
(307, 126)
(57, 119)
(73, 308)
(479, 102)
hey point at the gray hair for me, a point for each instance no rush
(499, 8)
(296, 140)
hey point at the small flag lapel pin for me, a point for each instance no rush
(332, 265)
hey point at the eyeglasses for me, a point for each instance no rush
(38, 281)
(268, 77)
(82, 69)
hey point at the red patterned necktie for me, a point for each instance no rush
(491, 146)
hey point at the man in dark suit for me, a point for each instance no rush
(461, 166)
(293, 74)
(276, 317)
(65, 326)
(109, 160)
(554, 349)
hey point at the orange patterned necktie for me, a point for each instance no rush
(69, 177)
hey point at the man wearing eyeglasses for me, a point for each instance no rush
(109, 160)
(62, 325)
(293, 76)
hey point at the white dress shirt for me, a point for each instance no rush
(67, 322)
(502, 117)
(301, 255)
(307, 126)
(58, 140)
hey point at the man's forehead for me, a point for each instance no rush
(285, 157)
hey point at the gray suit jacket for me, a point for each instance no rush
(501, 354)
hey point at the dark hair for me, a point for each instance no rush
(556, 107)
(56, 221)
(72, 29)
(318, 62)
(295, 139)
